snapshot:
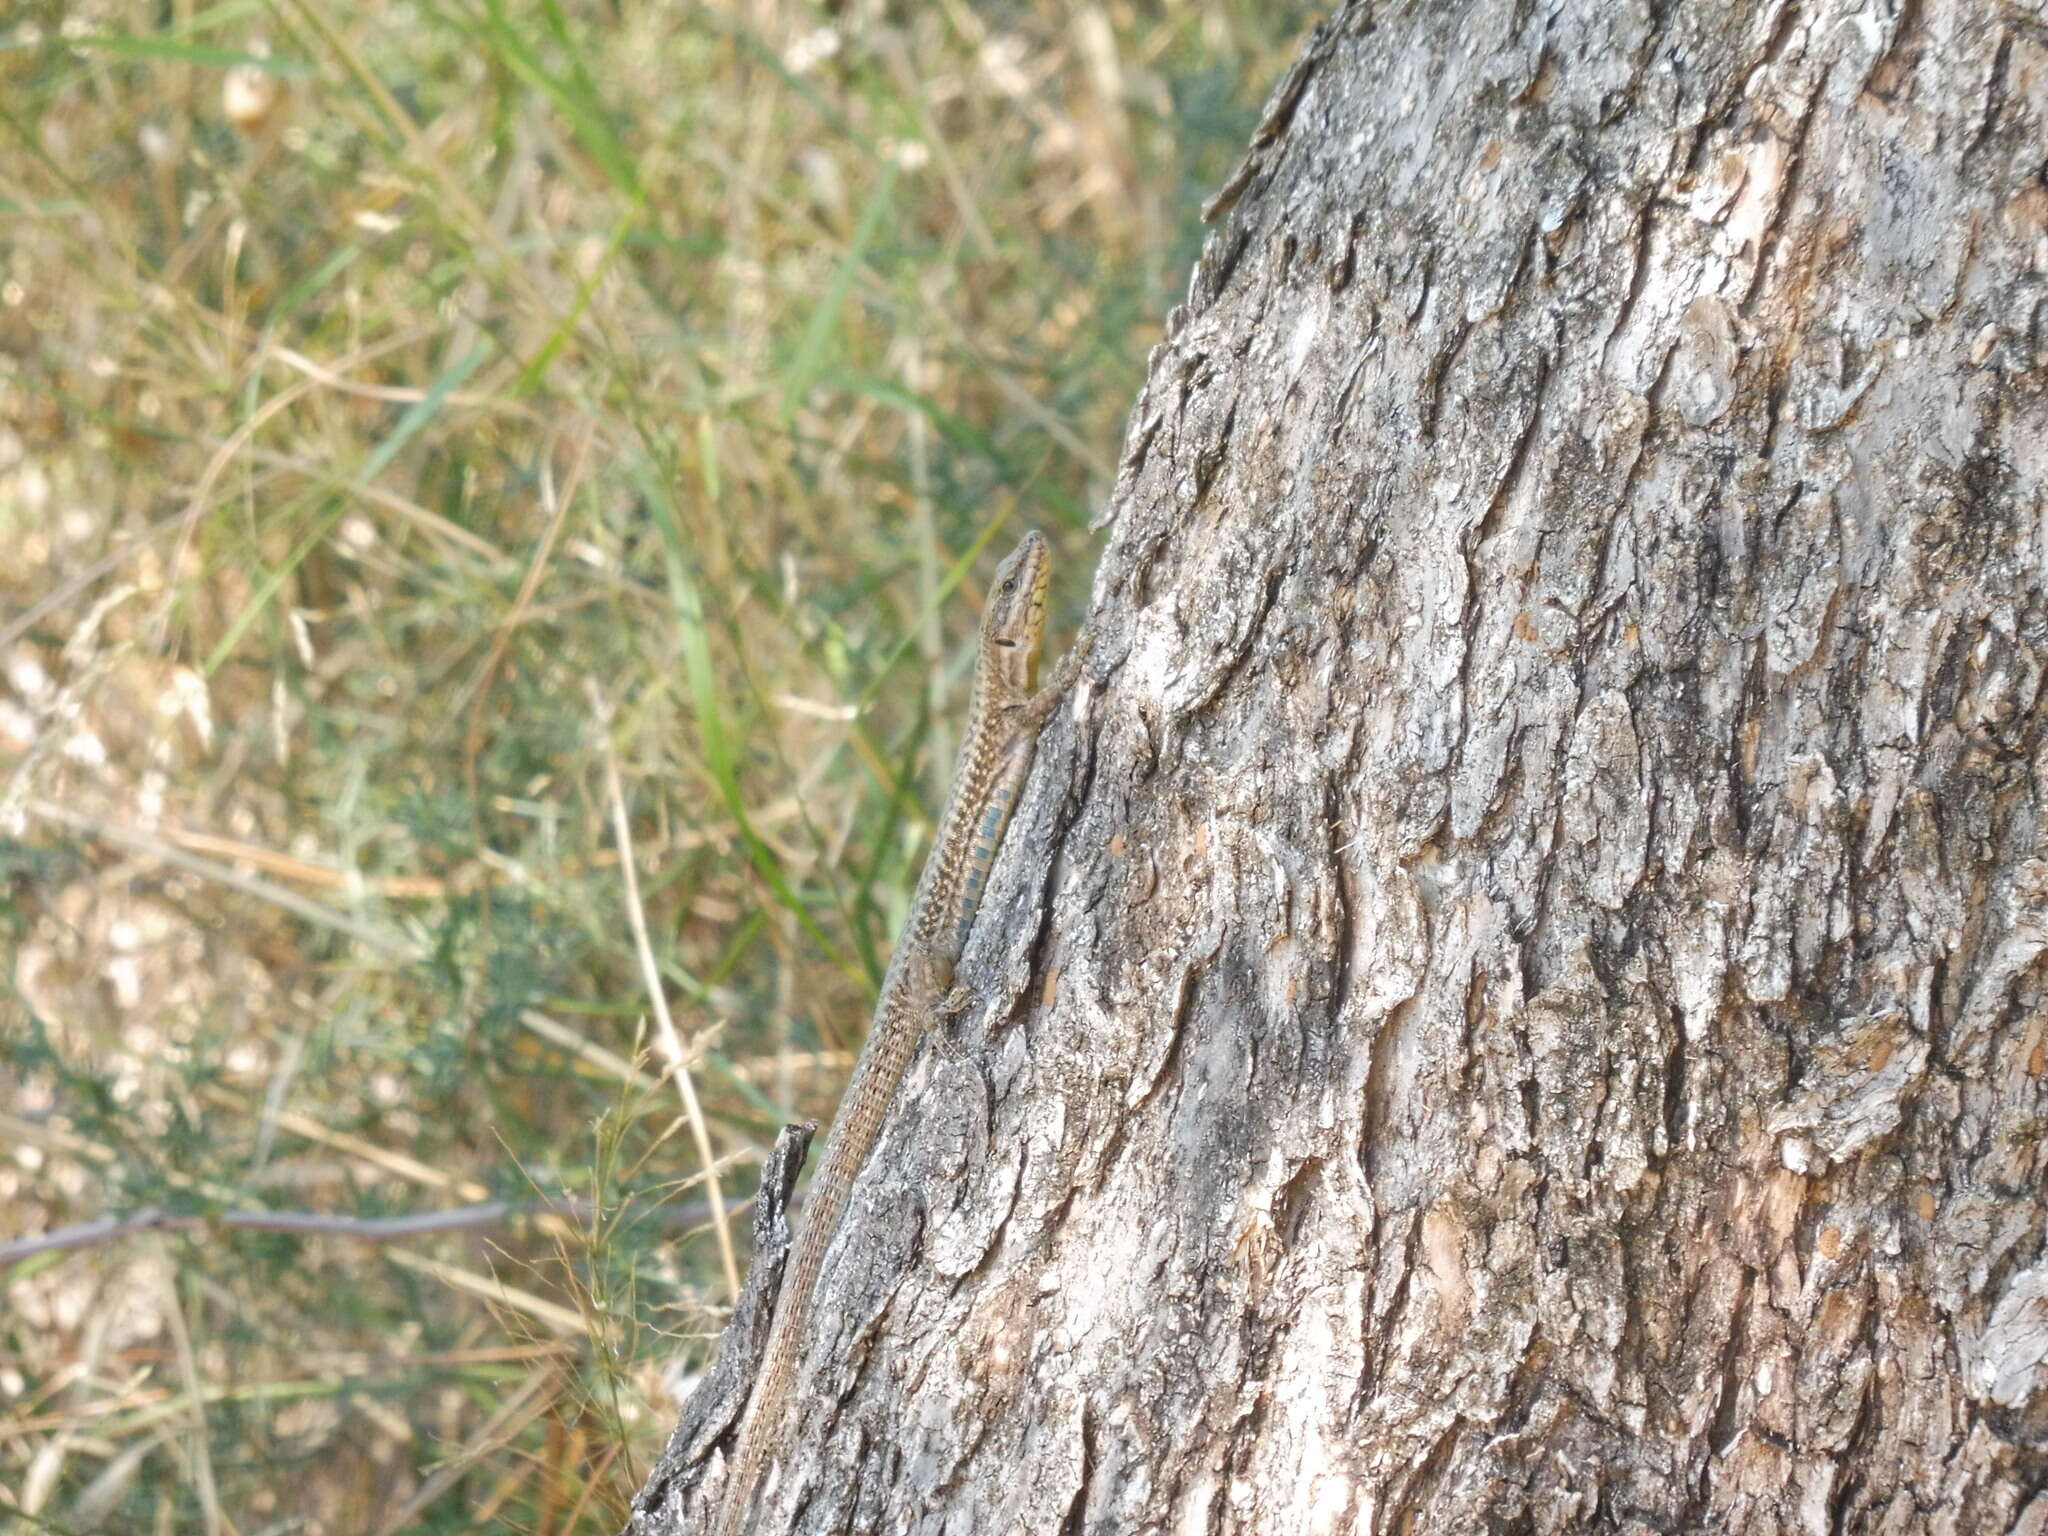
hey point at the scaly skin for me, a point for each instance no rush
(995, 755)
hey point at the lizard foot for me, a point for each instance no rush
(944, 1015)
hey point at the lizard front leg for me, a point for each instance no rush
(1041, 704)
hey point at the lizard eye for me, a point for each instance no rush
(1009, 586)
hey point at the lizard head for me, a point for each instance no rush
(1014, 621)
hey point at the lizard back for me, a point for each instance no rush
(995, 756)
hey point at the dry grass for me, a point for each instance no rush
(435, 437)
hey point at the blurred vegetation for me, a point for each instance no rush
(430, 430)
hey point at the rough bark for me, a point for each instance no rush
(1518, 1003)
(713, 1412)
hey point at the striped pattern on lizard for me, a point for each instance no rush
(1003, 721)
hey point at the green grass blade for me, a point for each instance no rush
(294, 298)
(811, 349)
(720, 758)
(962, 434)
(416, 416)
(154, 47)
(531, 375)
(576, 99)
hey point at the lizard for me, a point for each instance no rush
(1004, 715)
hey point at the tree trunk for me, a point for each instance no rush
(1515, 1001)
